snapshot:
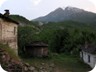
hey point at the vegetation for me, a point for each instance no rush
(62, 37)
(61, 62)
(25, 36)
(64, 40)
(22, 20)
(9, 50)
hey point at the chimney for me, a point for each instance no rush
(6, 13)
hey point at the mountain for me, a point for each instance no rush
(69, 13)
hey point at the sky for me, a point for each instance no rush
(35, 8)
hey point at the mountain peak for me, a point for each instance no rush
(69, 13)
(58, 9)
(69, 8)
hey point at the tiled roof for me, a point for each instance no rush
(38, 44)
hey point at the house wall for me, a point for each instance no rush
(84, 56)
(8, 33)
(40, 52)
(45, 51)
(37, 51)
(0, 31)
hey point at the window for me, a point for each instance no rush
(14, 30)
(82, 55)
(89, 58)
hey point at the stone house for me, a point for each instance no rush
(88, 54)
(36, 49)
(8, 30)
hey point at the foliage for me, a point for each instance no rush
(22, 20)
(9, 50)
(25, 36)
(62, 37)
(58, 40)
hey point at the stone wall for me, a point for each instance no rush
(8, 33)
(0, 30)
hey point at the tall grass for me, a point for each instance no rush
(9, 50)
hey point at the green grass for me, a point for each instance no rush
(10, 51)
(64, 63)
(71, 63)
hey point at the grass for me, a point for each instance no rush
(10, 51)
(63, 63)
(71, 63)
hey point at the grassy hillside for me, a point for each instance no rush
(69, 24)
(22, 20)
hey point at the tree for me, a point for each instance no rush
(25, 36)
(58, 40)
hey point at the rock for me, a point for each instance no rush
(41, 68)
(26, 64)
(46, 71)
(3, 56)
(52, 65)
(42, 63)
(25, 68)
(35, 71)
(32, 68)
(41, 71)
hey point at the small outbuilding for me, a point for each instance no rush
(37, 49)
(88, 54)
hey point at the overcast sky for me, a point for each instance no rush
(34, 8)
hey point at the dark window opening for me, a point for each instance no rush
(14, 30)
(88, 58)
(82, 55)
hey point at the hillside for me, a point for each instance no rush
(68, 24)
(22, 20)
(69, 13)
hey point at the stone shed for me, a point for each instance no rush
(8, 30)
(37, 49)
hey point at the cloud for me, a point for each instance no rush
(2, 1)
(36, 2)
